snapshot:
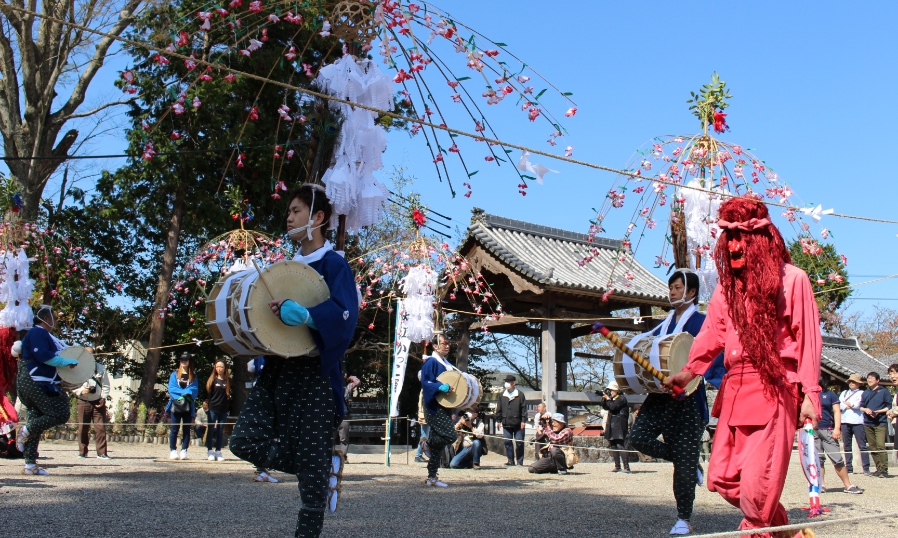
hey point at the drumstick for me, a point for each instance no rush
(597, 327)
(262, 278)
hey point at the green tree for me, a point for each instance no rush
(826, 269)
(201, 133)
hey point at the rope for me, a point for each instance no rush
(797, 526)
(387, 113)
(858, 284)
(381, 419)
(191, 343)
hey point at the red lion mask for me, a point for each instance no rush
(750, 253)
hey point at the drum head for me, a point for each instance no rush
(459, 389)
(286, 280)
(84, 369)
(221, 328)
(678, 356)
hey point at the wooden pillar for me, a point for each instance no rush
(464, 345)
(563, 356)
(547, 354)
(341, 233)
(645, 311)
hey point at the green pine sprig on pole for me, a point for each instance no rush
(708, 105)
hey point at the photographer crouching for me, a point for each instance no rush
(559, 435)
(470, 445)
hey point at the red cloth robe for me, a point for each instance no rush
(753, 441)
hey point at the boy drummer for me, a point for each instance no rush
(680, 421)
(288, 421)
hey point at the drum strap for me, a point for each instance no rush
(444, 362)
(654, 356)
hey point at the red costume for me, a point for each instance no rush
(772, 345)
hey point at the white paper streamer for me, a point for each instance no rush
(700, 212)
(350, 184)
(14, 291)
(418, 287)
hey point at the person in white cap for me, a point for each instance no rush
(553, 457)
(618, 423)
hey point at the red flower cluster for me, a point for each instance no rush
(720, 122)
(418, 217)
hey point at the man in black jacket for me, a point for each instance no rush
(512, 412)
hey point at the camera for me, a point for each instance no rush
(607, 392)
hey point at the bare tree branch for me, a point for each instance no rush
(99, 108)
(37, 60)
(78, 93)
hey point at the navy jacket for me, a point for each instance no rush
(874, 400)
(715, 373)
(37, 348)
(430, 370)
(335, 320)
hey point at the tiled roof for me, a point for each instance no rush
(549, 256)
(845, 356)
(890, 360)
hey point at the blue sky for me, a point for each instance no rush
(813, 88)
(812, 91)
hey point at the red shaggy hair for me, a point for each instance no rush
(752, 292)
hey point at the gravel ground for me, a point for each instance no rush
(139, 494)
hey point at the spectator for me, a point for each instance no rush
(874, 405)
(472, 445)
(420, 457)
(826, 438)
(893, 412)
(201, 424)
(92, 408)
(553, 457)
(539, 423)
(853, 423)
(218, 386)
(616, 432)
(512, 412)
(182, 392)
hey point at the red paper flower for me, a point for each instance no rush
(418, 217)
(720, 122)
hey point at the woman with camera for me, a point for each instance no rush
(618, 424)
(219, 389)
(471, 445)
(182, 392)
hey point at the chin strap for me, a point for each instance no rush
(682, 299)
(308, 228)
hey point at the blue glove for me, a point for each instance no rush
(58, 361)
(294, 314)
(444, 387)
